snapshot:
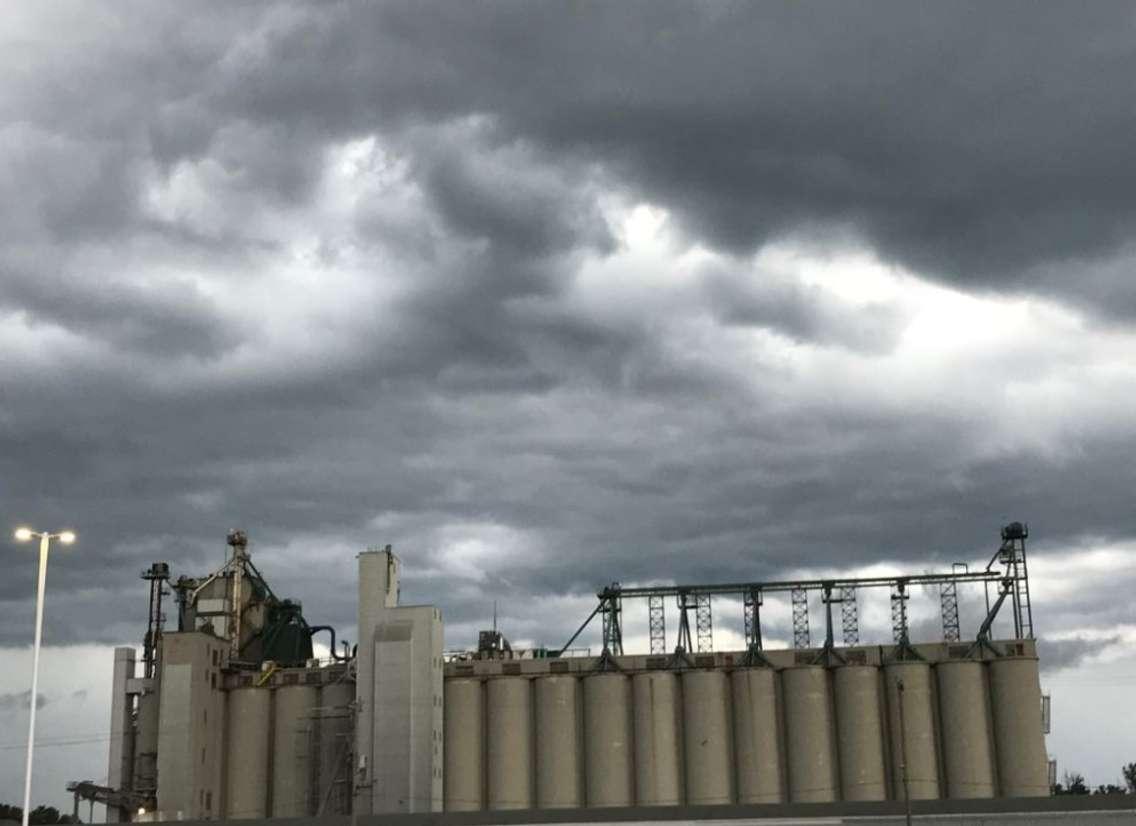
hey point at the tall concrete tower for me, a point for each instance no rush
(398, 690)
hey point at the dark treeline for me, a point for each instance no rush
(1074, 783)
(40, 816)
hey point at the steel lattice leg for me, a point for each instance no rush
(613, 625)
(657, 620)
(800, 598)
(752, 605)
(849, 616)
(899, 599)
(949, 604)
(703, 622)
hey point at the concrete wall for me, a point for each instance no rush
(191, 729)
(399, 694)
(407, 756)
(378, 591)
(120, 763)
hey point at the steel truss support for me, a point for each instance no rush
(1007, 564)
(752, 602)
(684, 642)
(849, 616)
(158, 574)
(949, 606)
(703, 622)
(1012, 555)
(612, 610)
(657, 621)
(800, 600)
(899, 598)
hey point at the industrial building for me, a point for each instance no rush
(230, 715)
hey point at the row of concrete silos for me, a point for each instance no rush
(805, 733)
(286, 748)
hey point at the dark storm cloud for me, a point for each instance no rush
(1059, 654)
(978, 144)
(171, 318)
(427, 350)
(802, 313)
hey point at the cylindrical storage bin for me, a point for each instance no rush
(809, 735)
(919, 745)
(707, 738)
(859, 733)
(557, 743)
(1015, 695)
(964, 708)
(293, 744)
(609, 767)
(509, 735)
(658, 739)
(246, 766)
(336, 742)
(464, 726)
(757, 735)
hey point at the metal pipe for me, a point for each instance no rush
(580, 630)
(314, 629)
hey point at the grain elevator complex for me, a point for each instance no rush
(230, 715)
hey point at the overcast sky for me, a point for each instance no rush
(550, 295)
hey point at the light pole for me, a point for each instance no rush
(23, 535)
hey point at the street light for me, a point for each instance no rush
(23, 535)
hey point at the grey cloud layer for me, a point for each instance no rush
(445, 376)
(981, 145)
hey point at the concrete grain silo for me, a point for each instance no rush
(913, 731)
(559, 779)
(465, 745)
(509, 749)
(968, 744)
(708, 737)
(249, 740)
(294, 746)
(859, 732)
(658, 738)
(810, 735)
(609, 741)
(1016, 704)
(759, 753)
(234, 717)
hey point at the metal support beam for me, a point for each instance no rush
(612, 610)
(899, 597)
(684, 642)
(800, 600)
(736, 588)
(752, 602)
(657, 621)
(1008, 563)
(827, 600)
(703, 622)
(849, 616)
(949, 606)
